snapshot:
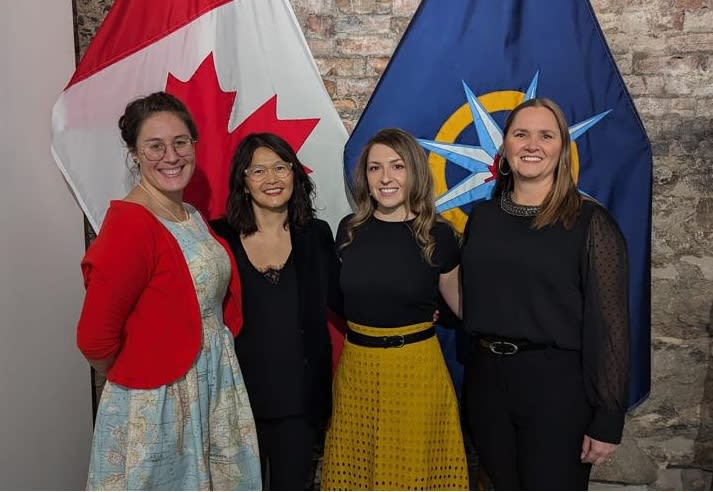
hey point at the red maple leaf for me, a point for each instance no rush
(211, 107)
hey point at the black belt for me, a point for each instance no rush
(506, 346)
(389, 341)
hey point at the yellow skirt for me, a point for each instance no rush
(395, 421)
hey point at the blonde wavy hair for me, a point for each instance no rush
(420, 191)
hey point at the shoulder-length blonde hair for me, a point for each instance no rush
(420, 196)
(563, 202)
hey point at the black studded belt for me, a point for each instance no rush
(389, 341)
(508, 346)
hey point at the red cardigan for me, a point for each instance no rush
(141, 305)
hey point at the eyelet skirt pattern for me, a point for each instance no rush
(395, 421)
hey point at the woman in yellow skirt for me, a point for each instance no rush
(395, 423)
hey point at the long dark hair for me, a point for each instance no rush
(239, 212)
(563, 201)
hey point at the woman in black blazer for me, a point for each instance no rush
(288, 271)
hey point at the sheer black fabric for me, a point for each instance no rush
(605, 331)
(554, 286)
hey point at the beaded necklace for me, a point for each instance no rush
(513, 208)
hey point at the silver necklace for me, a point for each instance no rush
(513, 208)
(166, 209)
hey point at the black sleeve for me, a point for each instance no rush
(605, 335)
(447, 253)
(335, 300)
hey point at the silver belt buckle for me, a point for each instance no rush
(399, 339)
(504, 348)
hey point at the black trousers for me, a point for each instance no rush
(286, 451)
(527, 415)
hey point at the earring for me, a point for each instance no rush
(500, 167)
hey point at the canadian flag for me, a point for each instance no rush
(241, 66)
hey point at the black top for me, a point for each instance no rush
(268, 363)
(385, 280)
(565, 288)
(270, 312)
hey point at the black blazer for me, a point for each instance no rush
(317, 267)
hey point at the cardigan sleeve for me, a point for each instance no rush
(605, 335)
(116, 268)
(335, 300)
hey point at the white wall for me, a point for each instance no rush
(45, 397)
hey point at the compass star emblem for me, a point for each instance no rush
(480, 161)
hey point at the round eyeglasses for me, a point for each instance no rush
(259, 172)
(155, 150)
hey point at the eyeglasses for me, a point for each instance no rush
(154, 150)
(259, 172)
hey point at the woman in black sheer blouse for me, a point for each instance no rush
(544, 279)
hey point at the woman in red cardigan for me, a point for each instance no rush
(162, 306)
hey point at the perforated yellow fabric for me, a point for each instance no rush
(395, 422)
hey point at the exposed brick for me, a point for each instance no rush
(303, 7)
(363, 86)
(624, 62)
(341, 67)
(366, 45)
(321, 26)
(399, 24)
(364, 24)
(691, 42)
(635, 21)
(636, 85)
(687, 107)
(669, 64)
(364, 6)
(321, 47)
(623, 43)
(704, 107)
(330, 86)
(377, 64)
(693, 4)
(690, 84)
(405, 7)
(698, 22)
(653, 106)
(345, 106)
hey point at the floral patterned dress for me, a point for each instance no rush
(196, 433)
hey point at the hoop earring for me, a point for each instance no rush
(500, 167)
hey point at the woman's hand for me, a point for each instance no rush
(596, 452)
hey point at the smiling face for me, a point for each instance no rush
(533, 145)
(388, 178)
(269, 191)
(171, 173)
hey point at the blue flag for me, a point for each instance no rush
(459, 69)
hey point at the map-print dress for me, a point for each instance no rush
(196, 433)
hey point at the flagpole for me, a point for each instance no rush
(96, 381)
